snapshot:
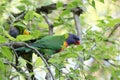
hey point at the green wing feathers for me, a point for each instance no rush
(47, 43)
(50, 42)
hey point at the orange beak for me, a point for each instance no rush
(26, 32)
(77, 42)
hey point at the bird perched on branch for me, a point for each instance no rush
(50, 45)
(18, 29)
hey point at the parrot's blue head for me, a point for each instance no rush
(73, 39)
(14, 32)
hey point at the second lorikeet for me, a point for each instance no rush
(17, 30)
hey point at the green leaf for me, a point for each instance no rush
(90, 77)
(57, 73)
(115, 75)
(94, 68)
(36, 33)
(72, 76)
(53, 60)
(7, 35)
(114, 0)
(29, 15)
(37, 15)
(117, 72)
(102, 1)
(113, 22)
(1, 78)
(59, 4)
(38, 62)
(2, 67)
(1, 29)
(24, 37)
(27, 2)
(76, 3)
(21, 7)
(69, 55)
(2, 39)
(6, 52)
(19, 25)
(65, 12)
(2, 8)
(93, 3)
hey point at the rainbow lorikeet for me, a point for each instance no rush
(51, 44)
(14, 31)
(17, 30)
(48, 46)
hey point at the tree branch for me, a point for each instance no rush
(107, 60)
(115, 27)
(76, 13)
(44, 60)
(21, 44)
(17, 17)
(48, 8)
(18, 69)
(49, 22)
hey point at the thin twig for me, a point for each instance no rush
(49, 22)
(16, 56)
(18, 70)
(44, 60)
(107, 60)
(58, 70)
(17, 18)
(14, 44)
(50, 26)
(22, 44)
(115, 27)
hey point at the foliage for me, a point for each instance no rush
(95, 36)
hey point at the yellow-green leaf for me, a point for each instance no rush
(93, 3)
(2, 39)
(29, 15)
(36, 33)
(6, 52)
(2, 68)
(7, 35)
(102, 1)
(59, 4)
(24, 37)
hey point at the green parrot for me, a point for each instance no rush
(18, 29)
(51, 44)
(48, 46)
